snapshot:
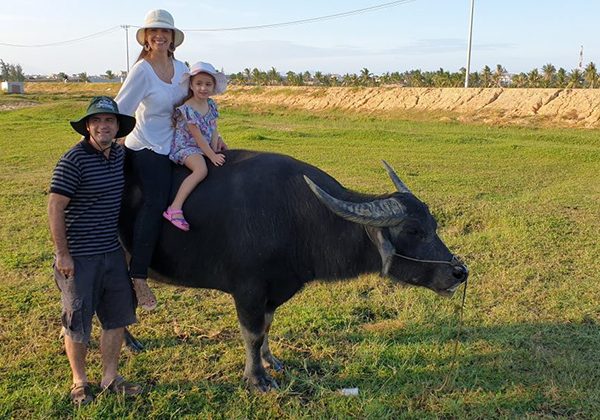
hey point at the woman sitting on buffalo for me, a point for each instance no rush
(154, 85)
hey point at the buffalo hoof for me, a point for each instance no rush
(262, 383)
(271, 362)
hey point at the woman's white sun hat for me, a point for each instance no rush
(159, 18)
(220, 78)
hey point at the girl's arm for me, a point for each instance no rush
(216, 158)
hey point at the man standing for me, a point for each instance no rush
(90, 267)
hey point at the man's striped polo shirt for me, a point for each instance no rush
(95, 185)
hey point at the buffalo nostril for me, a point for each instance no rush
(459, 273)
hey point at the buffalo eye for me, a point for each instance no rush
(413, 231)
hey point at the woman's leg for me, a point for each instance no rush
(154, 173)
(197, 165)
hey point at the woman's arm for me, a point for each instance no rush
(217, 143)
(133, 91)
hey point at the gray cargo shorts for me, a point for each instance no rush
(101, 285)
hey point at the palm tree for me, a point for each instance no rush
(318, 76)
(109, 74)
(561, 78)
(520, 80)
(548, 74)
(498, 76)
(350, 79)
(486, 76)
(396, 78)
(306, 77)
(440, 78)
(237, 78)
(575, 79)
(474, 80)
(257, 76)
(534, 79)
(366, 78)
(273, 77)
(591, 75)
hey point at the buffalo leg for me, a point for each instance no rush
(252, 325)
(268, 360)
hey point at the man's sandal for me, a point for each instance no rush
(81, 394)
(143, 293)
(176, 218)
(120, 386)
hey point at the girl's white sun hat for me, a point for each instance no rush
(220, 78)
(159, 18)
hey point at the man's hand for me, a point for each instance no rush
(64, 264)
(56, 216)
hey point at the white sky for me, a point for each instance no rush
(425, 34)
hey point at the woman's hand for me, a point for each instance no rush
(218, 159)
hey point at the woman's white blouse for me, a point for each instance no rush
(152, 100)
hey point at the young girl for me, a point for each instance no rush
(196, 135)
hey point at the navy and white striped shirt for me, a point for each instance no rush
(95, 185)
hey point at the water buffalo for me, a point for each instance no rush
(264, 224)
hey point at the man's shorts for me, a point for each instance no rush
(101, 285)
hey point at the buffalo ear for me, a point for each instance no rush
(400, 186)
(385, 248)
(383, 212)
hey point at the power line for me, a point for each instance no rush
(309, 20)
(67, 42)
(240, 28)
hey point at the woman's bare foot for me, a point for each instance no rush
(145, 297)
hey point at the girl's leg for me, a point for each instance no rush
(197, 165)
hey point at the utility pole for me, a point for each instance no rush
(581, 59)
(126, 27)
(470, 43)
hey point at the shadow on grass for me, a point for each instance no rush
(539, 369)
(487, 357)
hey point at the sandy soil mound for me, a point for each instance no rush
(557, 107)
(553, 107)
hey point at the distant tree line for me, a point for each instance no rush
(546, 77)
(11, 72)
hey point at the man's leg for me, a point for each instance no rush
(110, 347)
(76, 353)
(115, 311)
(80, 390)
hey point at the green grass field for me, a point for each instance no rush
(521, 205)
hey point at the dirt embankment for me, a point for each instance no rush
(556, 107)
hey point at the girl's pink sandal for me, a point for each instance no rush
(178, 222)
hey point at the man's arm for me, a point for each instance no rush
(56, 216)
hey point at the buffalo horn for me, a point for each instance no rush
(378, 213)
(400, 186)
